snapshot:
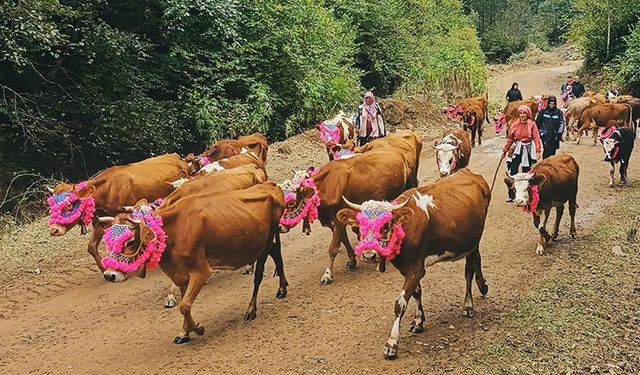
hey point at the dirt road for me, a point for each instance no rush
(66, 319)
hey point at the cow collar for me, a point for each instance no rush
(117, 235)
(82, 209)
(371, 220)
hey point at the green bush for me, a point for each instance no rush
(628, 66)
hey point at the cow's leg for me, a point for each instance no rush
(189, 294)
(595, 136)
(276, 254)
(472, 264)
(623, 173)
(473, 136)
(480, 280)
(257, 280)
(411, 281)
(479, 125)
(544, 235)
(170, 300)
(556, 226)
(572, 214)
(334, 247)
(94, 241)
(351, 263)
(417, 326)
(612, 171)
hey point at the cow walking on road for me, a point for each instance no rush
(618, 145)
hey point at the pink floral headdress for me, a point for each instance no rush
(329, 133)
(66, 208)
(117, 235)
(308, 208)
(373, 217)
(500, 122)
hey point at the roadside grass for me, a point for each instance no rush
(586, 319)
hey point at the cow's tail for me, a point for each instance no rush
(277, 247)
(486, 107)
(632, 124)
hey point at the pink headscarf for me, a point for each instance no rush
(525, 109)
(369, 116)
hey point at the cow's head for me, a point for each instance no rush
(542, 101)
(135, 241)
(469, 119)
(380, 227)
(611, 148)
(447, 155)
(499, 122)
(301, 201)
(526, 189)
(196, 163)
(453, 112)
(70, 205)
(330, 131)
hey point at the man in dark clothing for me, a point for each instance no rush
(514, 94)
(550, 122)
(578, 87)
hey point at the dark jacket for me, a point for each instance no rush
(513, 95)
(578, 89)
(551, 126)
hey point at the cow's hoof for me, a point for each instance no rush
(281, 293)
(540, 250)
(181, 339)
(416, 328)
(469, 312)
(170, 302)
(199, 330)
(326, 278)
(484, 289)
(390, 352)
(573, 234)
(251, 315)
(351, 264)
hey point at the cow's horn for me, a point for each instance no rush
(351, 204)
(50, 189)
(133, 220)
(128, 208)
(399, 206)
(105, 219)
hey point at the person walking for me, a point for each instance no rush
(566, 83)
(577, 87)
(613, 92)
(550, 123)
(523, 135)
(370, 121)
(514, 94)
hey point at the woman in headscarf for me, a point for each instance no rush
(370, 122)
(514, 94)
(522, 135)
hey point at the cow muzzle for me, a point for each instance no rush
(370, 256)
(114, 276)
(520, 201)
(57, 230)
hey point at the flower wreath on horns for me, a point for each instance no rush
(308, 208)
(81, 209)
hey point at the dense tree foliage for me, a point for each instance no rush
(90, 83)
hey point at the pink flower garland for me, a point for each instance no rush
(81, 208)
(342, 153)
(330, 135)
(309, 208)
(204, 160)
(117, 235)
(372, 227)
(499, 124)
(533, 203)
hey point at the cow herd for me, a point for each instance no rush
(219, 211)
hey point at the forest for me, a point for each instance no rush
(91, 83)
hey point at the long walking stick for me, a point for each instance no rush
(496, 174)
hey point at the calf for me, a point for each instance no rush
(550, 183)
(455, 112)
(472, 120)
(453, 152)
(196, 235)
(618, 145)
(107, 192)
(440, 222)
(337, 135)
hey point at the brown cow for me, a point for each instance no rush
(407, 142)
(473, 120)
(455, 112)
(574, 109)
(453, 152)
(510, 112)
(551, 183)
(108, 192)
(337, 134)
(440, 222)
(600, 98)
(600, 115)
(372, 175)
(202, 233)
(226, 148)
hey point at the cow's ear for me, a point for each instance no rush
(403, 214)
(537, 179)
(86, 191)
(347, 216)
(146, 234)
(306, 192)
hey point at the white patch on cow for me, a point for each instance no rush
(521, 185)
(444, 156)
(243, 151)
(213, 167)
(424, 202)
(179, 182)
(608, 144)
(115, 276)
(327, 278)
(395, 330)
